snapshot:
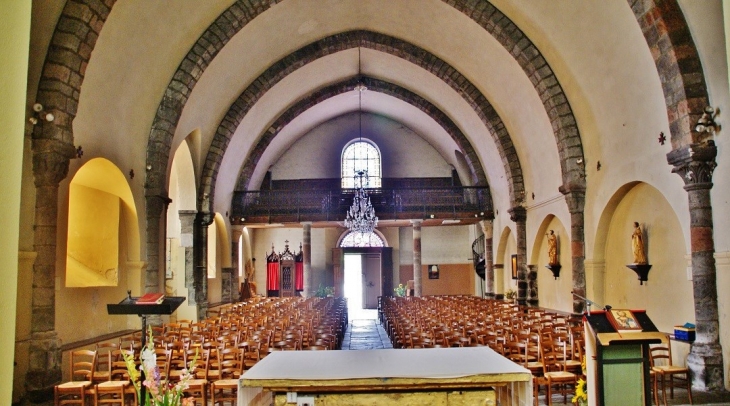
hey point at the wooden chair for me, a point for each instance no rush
(197, 386)
(103, 362)
(118, 390)
(73, 392)
(661, 363)
(555, 374)
(225, 389)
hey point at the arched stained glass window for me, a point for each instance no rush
(361, 156)
(355, 239)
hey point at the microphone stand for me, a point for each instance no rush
(590, 303)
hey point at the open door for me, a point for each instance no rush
(377, 269)
(372, 281)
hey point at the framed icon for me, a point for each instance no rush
(433, 272)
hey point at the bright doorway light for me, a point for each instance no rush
(353, 281)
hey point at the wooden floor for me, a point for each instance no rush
(365, 333)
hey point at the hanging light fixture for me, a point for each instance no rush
(361, 216)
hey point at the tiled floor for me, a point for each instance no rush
(365, 333)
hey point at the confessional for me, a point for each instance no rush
(284, 272)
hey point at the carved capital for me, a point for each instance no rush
(575, 197)
(156, 204)
(204, 218)
(695, 164)
(487, 228)
(518, 214)
(50, 161)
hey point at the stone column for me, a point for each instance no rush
(417, 288)
(532, 297)
(238, 266)
(156, 206)
(575, 198)
(187, 221)
(227, 284)
(50, 166)
(695, 164)
(307, 258)
(200, 259)
(518, 214)
(488, 228)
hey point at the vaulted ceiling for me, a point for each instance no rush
(526, 91)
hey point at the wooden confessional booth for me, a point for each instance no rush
(284, 272)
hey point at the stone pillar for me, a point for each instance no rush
(238, 267)
(488, 228)
(695, 164)
(187, 221)
(417, 288)
(307, 258)
(50, 166)
(575, 198)
(156, 206)
(532, 297)
(200, 259)
(227, 284)
(518, 214)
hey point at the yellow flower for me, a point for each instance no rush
(581, 392)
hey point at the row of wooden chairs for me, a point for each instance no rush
(549, 344)
(226, 344)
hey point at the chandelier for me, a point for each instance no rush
(361, 216)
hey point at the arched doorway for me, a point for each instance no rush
(363, 268)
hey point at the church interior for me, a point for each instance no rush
(539, 154)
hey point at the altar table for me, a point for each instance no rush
(433, 376)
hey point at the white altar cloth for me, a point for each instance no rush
(303, 370)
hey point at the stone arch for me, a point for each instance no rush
(475, 167)
(376, 41)
(678, 65)
(547, 86)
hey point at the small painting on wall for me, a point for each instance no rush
(514, 266)
(433, 272)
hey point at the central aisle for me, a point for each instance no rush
(364, 332)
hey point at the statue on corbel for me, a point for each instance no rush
(553, 262)
(640, 265)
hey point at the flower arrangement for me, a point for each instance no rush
(158, 392)
(581, 393)
(400, 291)
(509, 294)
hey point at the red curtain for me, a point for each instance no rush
(299, 276)
(272, 276)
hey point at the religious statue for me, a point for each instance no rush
(637, 245)
(552, 241)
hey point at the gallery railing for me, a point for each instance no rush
(280, 206)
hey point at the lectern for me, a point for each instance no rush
(622, 356)
(129, 306)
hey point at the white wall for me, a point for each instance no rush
(403, 152)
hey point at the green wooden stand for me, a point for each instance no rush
(622, 361)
